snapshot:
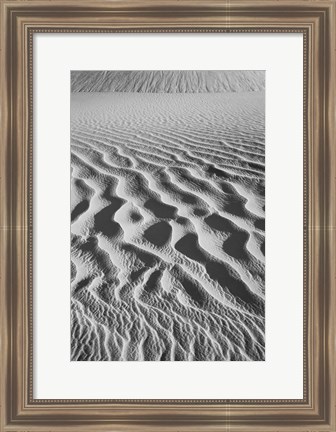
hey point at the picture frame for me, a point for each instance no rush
(21, 20)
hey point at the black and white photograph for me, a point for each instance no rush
(168, 215)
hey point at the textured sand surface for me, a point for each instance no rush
(167, 81)
(168, 207)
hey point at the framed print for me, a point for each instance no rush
(168, 216)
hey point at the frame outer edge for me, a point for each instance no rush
(13, 238)
(332, 209)
(5, 219)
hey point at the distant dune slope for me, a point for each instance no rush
(168, 226)
(167, 81)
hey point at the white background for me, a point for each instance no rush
(280, 376)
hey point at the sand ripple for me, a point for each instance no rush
(168, 225)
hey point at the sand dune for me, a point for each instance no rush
(168, 210)
(167, 81)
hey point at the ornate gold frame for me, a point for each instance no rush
(315, 19)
